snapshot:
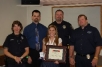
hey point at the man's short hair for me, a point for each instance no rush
(59, 10)
(81, 16)
(36, 11)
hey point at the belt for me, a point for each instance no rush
(84, 55)
(35, 49)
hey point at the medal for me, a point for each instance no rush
(64, 26)
(88, 56)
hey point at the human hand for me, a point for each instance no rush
(18, 59)
(56, 62)
(94, 62)
(29, 60)
(71, 61)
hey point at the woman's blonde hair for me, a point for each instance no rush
(46, 39)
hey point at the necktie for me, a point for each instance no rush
(37, 39)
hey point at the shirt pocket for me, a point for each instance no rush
(12, 43)
(89, 36)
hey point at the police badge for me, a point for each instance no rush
(64, 26)
(88, 56)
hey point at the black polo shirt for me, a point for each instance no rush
(64, 31)
(16, 44)
(85, 40)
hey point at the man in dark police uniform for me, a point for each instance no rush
(86, 41)
(64, 31)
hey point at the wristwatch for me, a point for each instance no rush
(96, 58)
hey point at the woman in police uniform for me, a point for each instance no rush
(16, 47)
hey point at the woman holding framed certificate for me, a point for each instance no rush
(51, 39)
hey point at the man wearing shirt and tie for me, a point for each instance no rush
(35, 32)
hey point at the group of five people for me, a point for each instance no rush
(85, 41)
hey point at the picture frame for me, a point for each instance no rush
(55, 53)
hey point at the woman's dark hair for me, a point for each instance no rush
(16, 22)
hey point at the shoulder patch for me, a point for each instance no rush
(22, 37)
(71, 27)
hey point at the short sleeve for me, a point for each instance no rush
(71, 29)
(25, 42)
(6, 42)
(25, 32)
(43, 41)
(60, 40)
(72, 39)
(97, 38)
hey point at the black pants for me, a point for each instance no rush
(82, 61)
(16, 65)
(67, 60)
(34, 54)
(49, 64)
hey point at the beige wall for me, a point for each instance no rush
(70, 2)
(9, 11)
(46, 14)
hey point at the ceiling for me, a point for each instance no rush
(70, 2)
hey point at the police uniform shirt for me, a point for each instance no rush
(16, 44)
(64, 31)
(29, 32)
(85, 40)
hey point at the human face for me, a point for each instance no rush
(16, 29)
(59, 16)
(52, 32)
(36, 17)
(82, 21)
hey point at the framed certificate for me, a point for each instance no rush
(55, 53)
